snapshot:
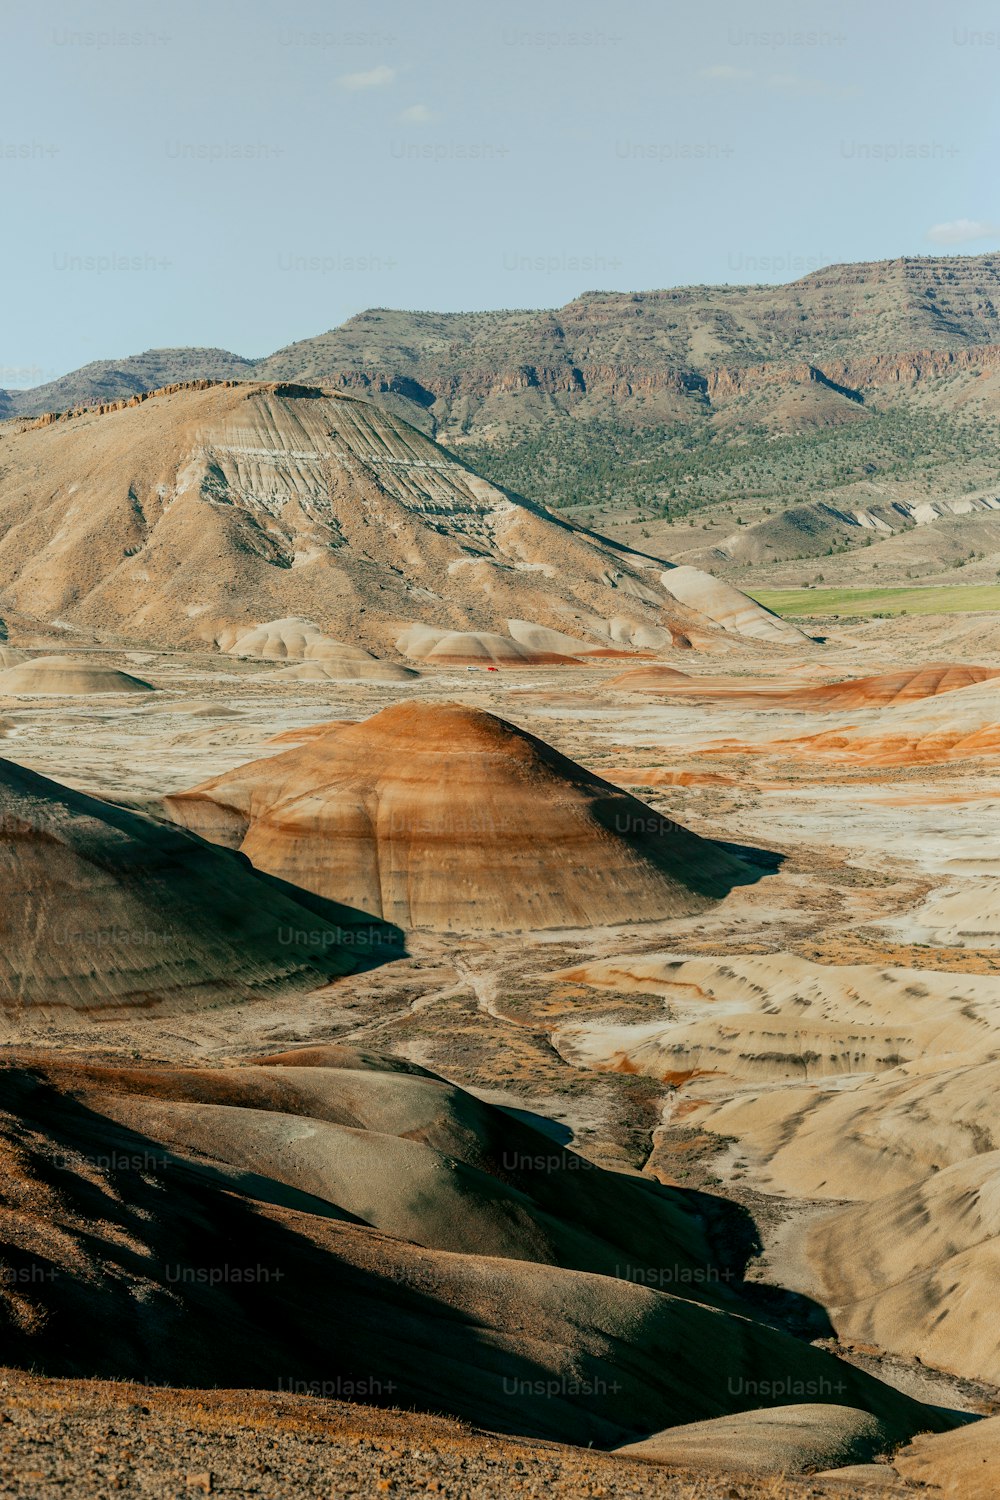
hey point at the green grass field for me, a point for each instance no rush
(962, 599)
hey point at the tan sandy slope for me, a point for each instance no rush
(318, 656)
(781, 1017)
(869, 1136)
(61, 676)
(202, 514)
(254, 1240)
(460, 648)
(102, 910)
(965, 917)
(961, 1465)
(912, 1271)
(840, 1082)
(775, 1440)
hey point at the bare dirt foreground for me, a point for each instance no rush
(810, 1057)
(99, 1440)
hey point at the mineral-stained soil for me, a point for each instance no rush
(796, 1078)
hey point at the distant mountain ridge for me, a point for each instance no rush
(857, 385)
(681, 341)
(115, 379)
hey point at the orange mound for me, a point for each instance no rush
(657, 776)
(307, 732)
(648, 679)
(906, 686)
(890, 689)
(893, 749)
(452, 819)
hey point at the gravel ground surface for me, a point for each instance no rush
(96, 1439)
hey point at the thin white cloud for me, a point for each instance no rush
(782, 83)
(724, 73)
(375, 78)
(417, 114)
(814, 88)
(962, 232)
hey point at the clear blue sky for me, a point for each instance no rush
(233, 173)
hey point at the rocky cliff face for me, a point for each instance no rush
(887, 370)
(644, 357)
